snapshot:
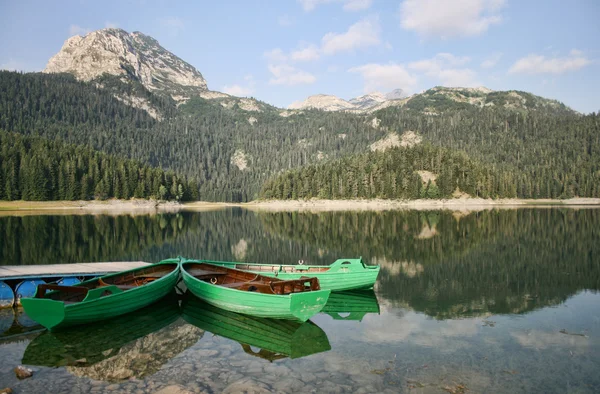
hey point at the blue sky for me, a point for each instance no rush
(283, 51)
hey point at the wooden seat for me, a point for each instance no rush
(126, 287)
(202, 274)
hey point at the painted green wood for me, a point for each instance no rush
(351, 305)
(87, 345)
(343, 274)
(54, 314)
(276, 338)
(295, 306)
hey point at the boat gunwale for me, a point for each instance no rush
(174, 272)
(231, 290)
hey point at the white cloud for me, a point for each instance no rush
(357, 5)
(284, 74)
(349, 5)
(173, 24)
(464, 78)
(237, 90)
(385, 77)
(362, 34)
(275, 55)
(439, 61)
(445, 19)
(306, 54)
(241, 90)
(75, 30)
(285, 21)
(109, 24)
(443, 67)
(491, 60)
(539, 64)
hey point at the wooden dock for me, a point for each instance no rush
(11, 272)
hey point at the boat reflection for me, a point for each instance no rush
(276, 339)
(351, 305)
(108, 349)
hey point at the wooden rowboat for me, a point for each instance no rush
(253, 294)
(269, 339)
(343, 274)
(55, 306)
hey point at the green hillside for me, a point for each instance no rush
(37, 169)
(230, 147)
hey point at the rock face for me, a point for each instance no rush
(323, 102)
(368, 100)
(363, 103)
(130, 56)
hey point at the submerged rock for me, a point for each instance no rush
(22, 372)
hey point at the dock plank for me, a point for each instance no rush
(8, 272)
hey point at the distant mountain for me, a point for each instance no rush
(434, 101)
(323, 102)
(130, 57)
(396, 94)
(368, 100)
(363, 103)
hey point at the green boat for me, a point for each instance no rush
(351, 305)
(55, 306)
(275, 339)
(87, 345)
(254, 294)
(343, 274)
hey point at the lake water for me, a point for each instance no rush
(493, 301)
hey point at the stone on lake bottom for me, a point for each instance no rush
(247, 386)
(6, 390)
(174, 389)
(22, 372)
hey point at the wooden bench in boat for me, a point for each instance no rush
(204, 274)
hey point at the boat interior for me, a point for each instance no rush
(107, 285)
(281, 268)
(248, 281)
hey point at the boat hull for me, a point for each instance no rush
(339, 276)
(54, 314)
(295, 306)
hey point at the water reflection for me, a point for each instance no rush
(133, 345)
(275, 339)
(497, 301)
(351, 305)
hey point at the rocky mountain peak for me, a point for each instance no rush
(133, 56)
(323, 102)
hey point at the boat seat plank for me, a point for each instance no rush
(126, 287)
(200, 273)
(237, 284)
(158, 274)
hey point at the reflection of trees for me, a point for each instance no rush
(395, 235)
(232, 234)
(506, 261)
(67, 239)
(439, 263)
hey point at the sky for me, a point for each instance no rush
(281, 51)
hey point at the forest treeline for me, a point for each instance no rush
(545, 150)
(398, 174)
(37, 169)
(392, 174)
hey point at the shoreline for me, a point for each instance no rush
(458, 204)
(138, 206)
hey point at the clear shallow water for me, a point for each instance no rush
(498, 301)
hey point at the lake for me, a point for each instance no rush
(491, 301)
